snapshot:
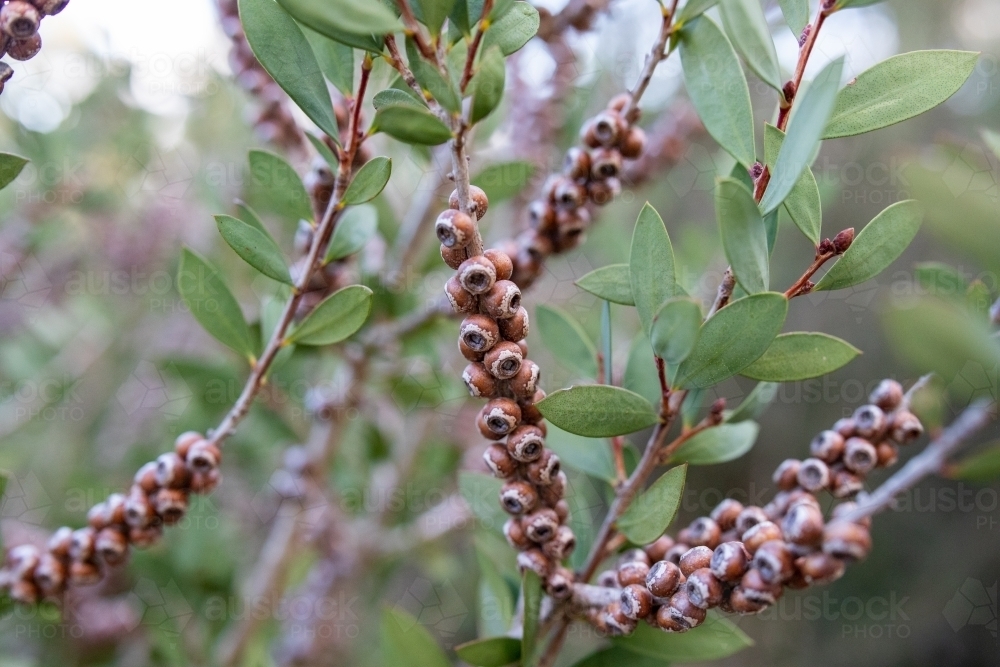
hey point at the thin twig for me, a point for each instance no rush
(803, 284)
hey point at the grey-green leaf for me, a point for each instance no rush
(208, 298)
(432, 80)
(369, 181)
(796, 14)
(336, 59)
(356, 17)
(718, 444)
(531, 594)
(411, 124)
(10, 168)
(675, 329)
(640, 371)
(692, 9)
(249, 216)
(747, 28)
(434, 12)
(283, 51)
(588, 455)
(490, 652)
(513, 30)
(505, 179)
(803, 203)
(651, 265)
(276, 185)
(718, 88)
(715, 639)
(257, 249)
(391, 96)
(983, 466)
(732, 339)
(899, 88)
(800, 356)
(648, 516)
(356, 226)
(598, 411)
(480, 493)
(336, 318)
(567, 340)
(744, 236)
(407, 643)
(876, 247)
(810, 114)
(611, 283)
(754, 405)
(487, 84)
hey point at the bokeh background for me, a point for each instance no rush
(138, 134)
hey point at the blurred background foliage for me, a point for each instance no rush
(100, 365)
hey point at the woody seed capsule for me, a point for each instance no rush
(845, 483)
(725, 513)
(477, 275)
(633, 143)
(455, 229)
(478, 381)
(503, 361)
(636, 601)
(19, 19)
(803, 524)
(749, 517)
(60, 542)
(453, 257)
(887, 395)
(170, 505)
(112, 546)
(665, 621)
(204, 457)
(606, 163)
(543, 471)
(765, 531)
(827, 446)
(50, 574)
(561, 546)
(860, 456)
(518, 497)
(704, 589)
(530, 414)
(704, 532)
(84, 573)
(888, 453)
(500, 463)
(500, 416)
(756, 589)
(184, 442)
(785, 476)
(663, 578)
(632, 572)
(905, 427)
(658, 549)
(479, 333)
(460, 299)
(814, 475)
(51, 7)
(534, 560)
(559, 584)
(684, 611)
(846, 540)
(502, 300)
(695, 559)
(502, 263)
(525, 383)
(869, 420)
(820, 568)
(171, 472)
(729, 561)
(541, 525)
(774, 562)
(576, 164)
(514, 532)
(477, 198)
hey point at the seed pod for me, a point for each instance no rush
(860, 456)
(658, 549)
(828, 446)
(530, 414)
(503, 361)
(845, 483)
(50, 574)
(803, 525)
(526, 444)
(845, 508)
(888, 454)
(616, 621)
(774, 562)
(756, 589)
(663, 578)
(23, 559)
(729, 561)
(570, 232)
(518, 497)
(636, 602)
(869, 421)
(606, 163)
(461, 300)
(514, 532)
(784, 476)
(51, 7)
(502, 263)
(695, 558)
(499, 461)
(145, 477)
(905, 428)
(170, 505)
(455, 229)
(619, 102)
(534, 560)
(541, 525)
(684, 611)
(887, 395)
(542, 216)
(814, 475)
(477, 198)
(141, 538)
(820, 568)
(562, 545)
(84, 573)
(501, 416)
(603, 192)
(704, 532)
(665, 621)
(523, 346)
(749, 517)
(60, 541)
(726, 512)
(845, 427)
(634, 555)
(609, 127)
(564, 192)
(477, 275)
(608, 579)
(453, 257)
(111, 546)
(81, 547)
(741, 604)
(559, 584)
(205, 482)
(204, 457)
(479, 333)
(562, 509)
(544, 471)
(19, 19)
(846, 540)
(632, 572)
(503, 300)
(764, 531)
(478, 381)
(184, 441)
(633, 143)
(576, 164)
(6, 71)
(704, 589)
(171, 472)
(525, 383)
(675, 552)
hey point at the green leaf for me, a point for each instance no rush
(844, 4)
(588, 455)
(796, 14)
(939, 279)
(496, 599)
(334, 18)
(648, 516)
(336, 317)
(898, 89)
(640, 371)
(567, 340)
(718, 444)
(744, 236)
(487, 85)
(323, 150)
(10, 168)
(212, 304)
(732, 339)
(981, 467)
(514, 30)
(490, 652)
(717, 87)
(747, 28)
(394, 96)
(249, 216)
(335, 59)
(611, 283)
(505, 179)
(406, 643)
(810, 115)
(480, 493)
(432, 80)
(411, 124)
(531, 592)
(434, 12)
(675, 329)
(651, 265)
(616, 656)
(598, 411)
(356, 226)
(369, 181)
(692, 9)
(283, 51)
(876, 247)
(801, 356)
(754, 405)
(275, 184)
(803, 203)
(257, 249)
(717, 638)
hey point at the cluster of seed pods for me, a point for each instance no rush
(158, 497)
(19, 38)
(740, 559)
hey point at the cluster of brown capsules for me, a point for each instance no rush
(739, 559)
(492, 339)
(158, 497)
(19, 23)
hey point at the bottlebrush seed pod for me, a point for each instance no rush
(514, 532)
(544, 471)
(675, 552)
(24, 49)
(633, 555)
(525, 383)
(749, 517)
(703, 589)
(663, 578)
(23, 559)
(184, 441)
(145, 477)
(534, 560)
(502, 263)
(729, 561)
(888, 454)
(60, 541)
(576, 164)
(632, 572)
(695, 558)
(19, 19)
(562, 545)
(845, 427)
(619, 102)
(820, 568)
(845, 508)
(869, 420)
(478, 381)
(477, 275)
(559, 584)
(461, 300)
(203, 457)
(84, 573)
(171, 472)
(887, 395)
(500, 463)
(846, 540)
(530, 414)
(51, 7)
(554, 492)
(860, 456)
(82, 546)
(479, 332)
(704, 532)
(658, 549)
(502, 300)
(518, 497)
(540, 526)
(205, 482)
(523, 345)
(455, 229)
(515, 328)
(765, 531)
(785, 475)
(774, 562)
(743, 605)
(803, 524)
(845, 483)
(684, 611)
(499, 417)
(50, 574)
(6, 71)
(453, 257)
(905, 427)
(141, 538)
(564, 192)
(477, 198)
(541, 214)
(562, 509)
(666, 622)
(170, 505)
(603, 192)
(111, 546)
(633, 143)
(636, 601)
(469, 353)
(97, 516)
(814, 475)
(608, 127)
(503, 361)
(725, 513)
(755, 589)
(606, 163)
(608, 579)
(828, 446)
(617, 622)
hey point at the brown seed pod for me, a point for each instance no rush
(540, 526)
(536, 561)
(665, 621)
(84, 573)
(453, 257)
(845, 483)
(514, 532)
(499, 417)
(604, 129)
(633, 143)
(632, 572)
(684, 611)
(784, 476)
(500, 463)
(845, 540)
(502, 263)
(564, 192)
(554, 492)
(23, 559)
(171, 472)
(503, 361)
(860, 456)
(50, 574)
(704, 532)
(111, 546)
(828, 446)
(843, 509)
(869, 421)
(606, 163)
(603, 192)
(82, 546)
(905, 427)
(479, 332)
(759, 534)
(542, 216)
(455, 229)
(204, 457)
(19, 19)
(205, 482)
(888, 454)
(636, 602)
(543, 471)
(608, 579)
(695, 558)
(478, 381)
(145, 477)
(170, 505)
(633, 555)
(730, 561)
(803, 525)
(704, 589)
(749, 517)
(518, 497)
(530, 414)
(184, 441)
(561, 546)
(141, 538)
(6, 72)
(525, 383)
(658, 549)
(675, 552)
(845, 427)
(576, 164)
(774, 562)
(726, 512)
(617, 623)
(559, 584)
(562, 509)
(461, 300)
(60, 541)
(477, 275)
(820, 568)
(756, 589)
(477, 198)
(814, 475)
(503, 300)
(138, 509)
(741, 604)
(663, 578)
(887, 395)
